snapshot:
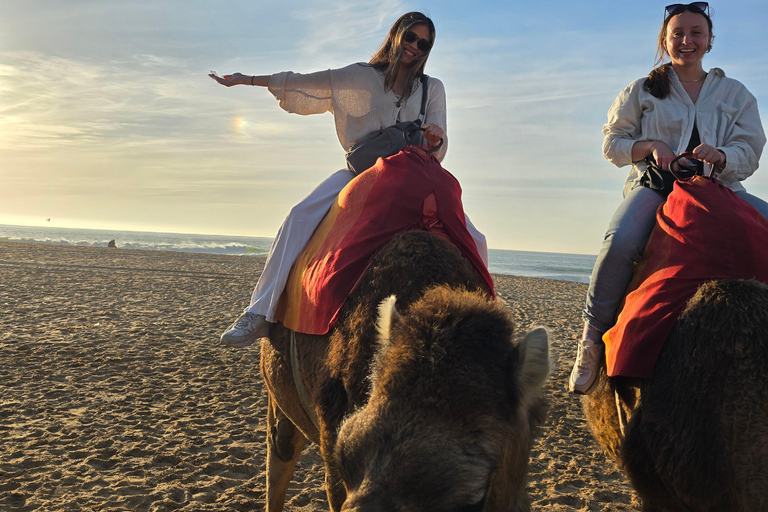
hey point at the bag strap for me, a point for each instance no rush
(682, 167)
(423, 112)
(424, 92)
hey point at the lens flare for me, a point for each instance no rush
(239, 124)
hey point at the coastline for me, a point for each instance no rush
(118, 395)
(560, 266)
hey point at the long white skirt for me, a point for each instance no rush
(296, 231)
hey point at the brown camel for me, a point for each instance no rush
(428, 406)
(697, 435)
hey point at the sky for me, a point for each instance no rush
(108, 119)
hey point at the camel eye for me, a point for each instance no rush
(477, 507)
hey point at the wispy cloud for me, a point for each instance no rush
(362, 22)
(106, 111)
(84, 102)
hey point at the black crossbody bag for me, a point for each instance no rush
(682, 168)
(661, 181)
(390, 140)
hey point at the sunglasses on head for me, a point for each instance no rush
(422, 44)
(696, 7)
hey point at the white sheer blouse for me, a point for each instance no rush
(356, 97)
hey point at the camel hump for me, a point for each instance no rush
(534, 350)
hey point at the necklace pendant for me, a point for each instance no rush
(694, 81)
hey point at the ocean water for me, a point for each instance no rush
(547, 265)
(568, 267)
(152, 241)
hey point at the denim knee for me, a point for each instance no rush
(624, 244)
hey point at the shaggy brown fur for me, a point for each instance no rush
(437, 413)
(699, 441)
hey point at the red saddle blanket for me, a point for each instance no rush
(407, 191)
(703, 232)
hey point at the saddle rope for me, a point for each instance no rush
(620, 411)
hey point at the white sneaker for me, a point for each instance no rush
(586, 368)
(245, 330)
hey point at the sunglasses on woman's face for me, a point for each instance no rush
(422, 44)
(697, 7)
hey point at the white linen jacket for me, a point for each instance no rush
(725, 114)
(356, 97)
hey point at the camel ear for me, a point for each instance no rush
(387, 315)
(534, 352)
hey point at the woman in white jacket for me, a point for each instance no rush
(679, 107)
(363, 98)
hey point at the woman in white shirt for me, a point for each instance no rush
(679, 107)
(363, 98)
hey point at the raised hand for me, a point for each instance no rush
(230, 80)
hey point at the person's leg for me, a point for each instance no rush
(293, 235)
(624, 241)
(479, 239)
(291, 238)
(756, 203)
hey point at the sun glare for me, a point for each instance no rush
(239, 124)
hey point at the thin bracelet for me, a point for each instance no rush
(252, 77)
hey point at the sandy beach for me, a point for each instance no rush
(116, 395)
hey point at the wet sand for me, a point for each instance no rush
(115, 394)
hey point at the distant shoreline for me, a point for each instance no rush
(556, 266)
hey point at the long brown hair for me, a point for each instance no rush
(657, 82)
(387, 58)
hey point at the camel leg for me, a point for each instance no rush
(337, 494)
(642, 474)
(284, 445)
(600, 411)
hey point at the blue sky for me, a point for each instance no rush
(108, 120)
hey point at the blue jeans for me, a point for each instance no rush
(628, 231)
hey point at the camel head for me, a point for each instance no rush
(453, 408)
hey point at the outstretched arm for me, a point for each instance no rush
(300, 94)
(240, 79)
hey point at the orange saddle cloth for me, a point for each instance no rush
(703, 232)
(407, 191)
